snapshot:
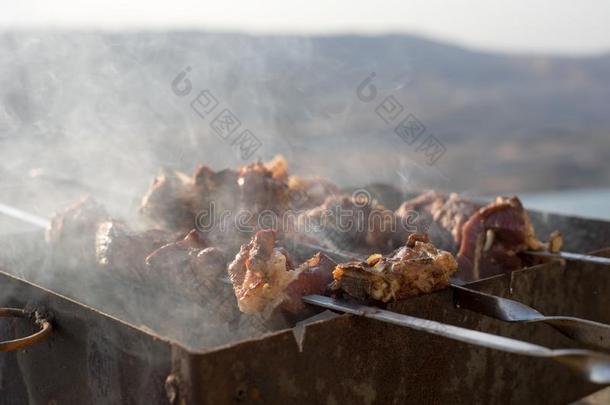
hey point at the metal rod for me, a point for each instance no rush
(24, 216)
(593, 365)
(571, 256)
(425, 325)
(581, 330)
(561, 255)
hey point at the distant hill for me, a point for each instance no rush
(99, 107)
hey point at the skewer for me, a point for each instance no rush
(592, 365)
(571, 256)
(592, 333)
(595, 366)
(504, 309)
(24, 216)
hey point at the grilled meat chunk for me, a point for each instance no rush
(72, 231)
(488, 239)
(309, 192)
(209, 186)
(260, 274)
(168, 202)
(174, 198)
(119, 248)
(315, 276)
(494, 236)
(453, 214)
(260, 190)
(441, 217)
(264, 277)
(416, 268)
(344, 223)
(192, 268)
(75, 221)
(178, 201)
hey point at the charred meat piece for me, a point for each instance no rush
(176, 200)
(85, 235)
(75, 221)
(168, 202)
(263, 189)
(214, 195)
(315, 276)
(219, 188)
(487, 239)
(309, 192)
(260, 274)
(264, 277)
(119, 248)
(422, 204)
(189, 267)
(417, 268)
(344, 223)
(72, 231)
(440, 216)
(495, 235)
(453, 214)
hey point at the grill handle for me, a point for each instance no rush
(42, 322)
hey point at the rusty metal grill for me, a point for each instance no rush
(102, 355)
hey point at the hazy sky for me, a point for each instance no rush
(564, 26)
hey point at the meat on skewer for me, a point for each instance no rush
(344, 223)
(123, 251)
(71, 232)
(441, 217)
(85, 235)
(191, 268)
(264, 277)
(494, 238)
(414, 269)
(489, 239)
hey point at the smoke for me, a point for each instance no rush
(97, 113)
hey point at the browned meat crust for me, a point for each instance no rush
(264, 279)
(488, 239)
(119, 248)
(309, 192)
(260, 274)
(260, 190)
(175, 200)
(343, 223)
(453, 214)
(76, 221)
(417, 268)
(72, 232)
(494, 236)
(168, 201)
(189, 267)
(441, 216)
(314, 277)
(210, 186)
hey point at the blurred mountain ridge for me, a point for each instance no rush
(99, 107)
